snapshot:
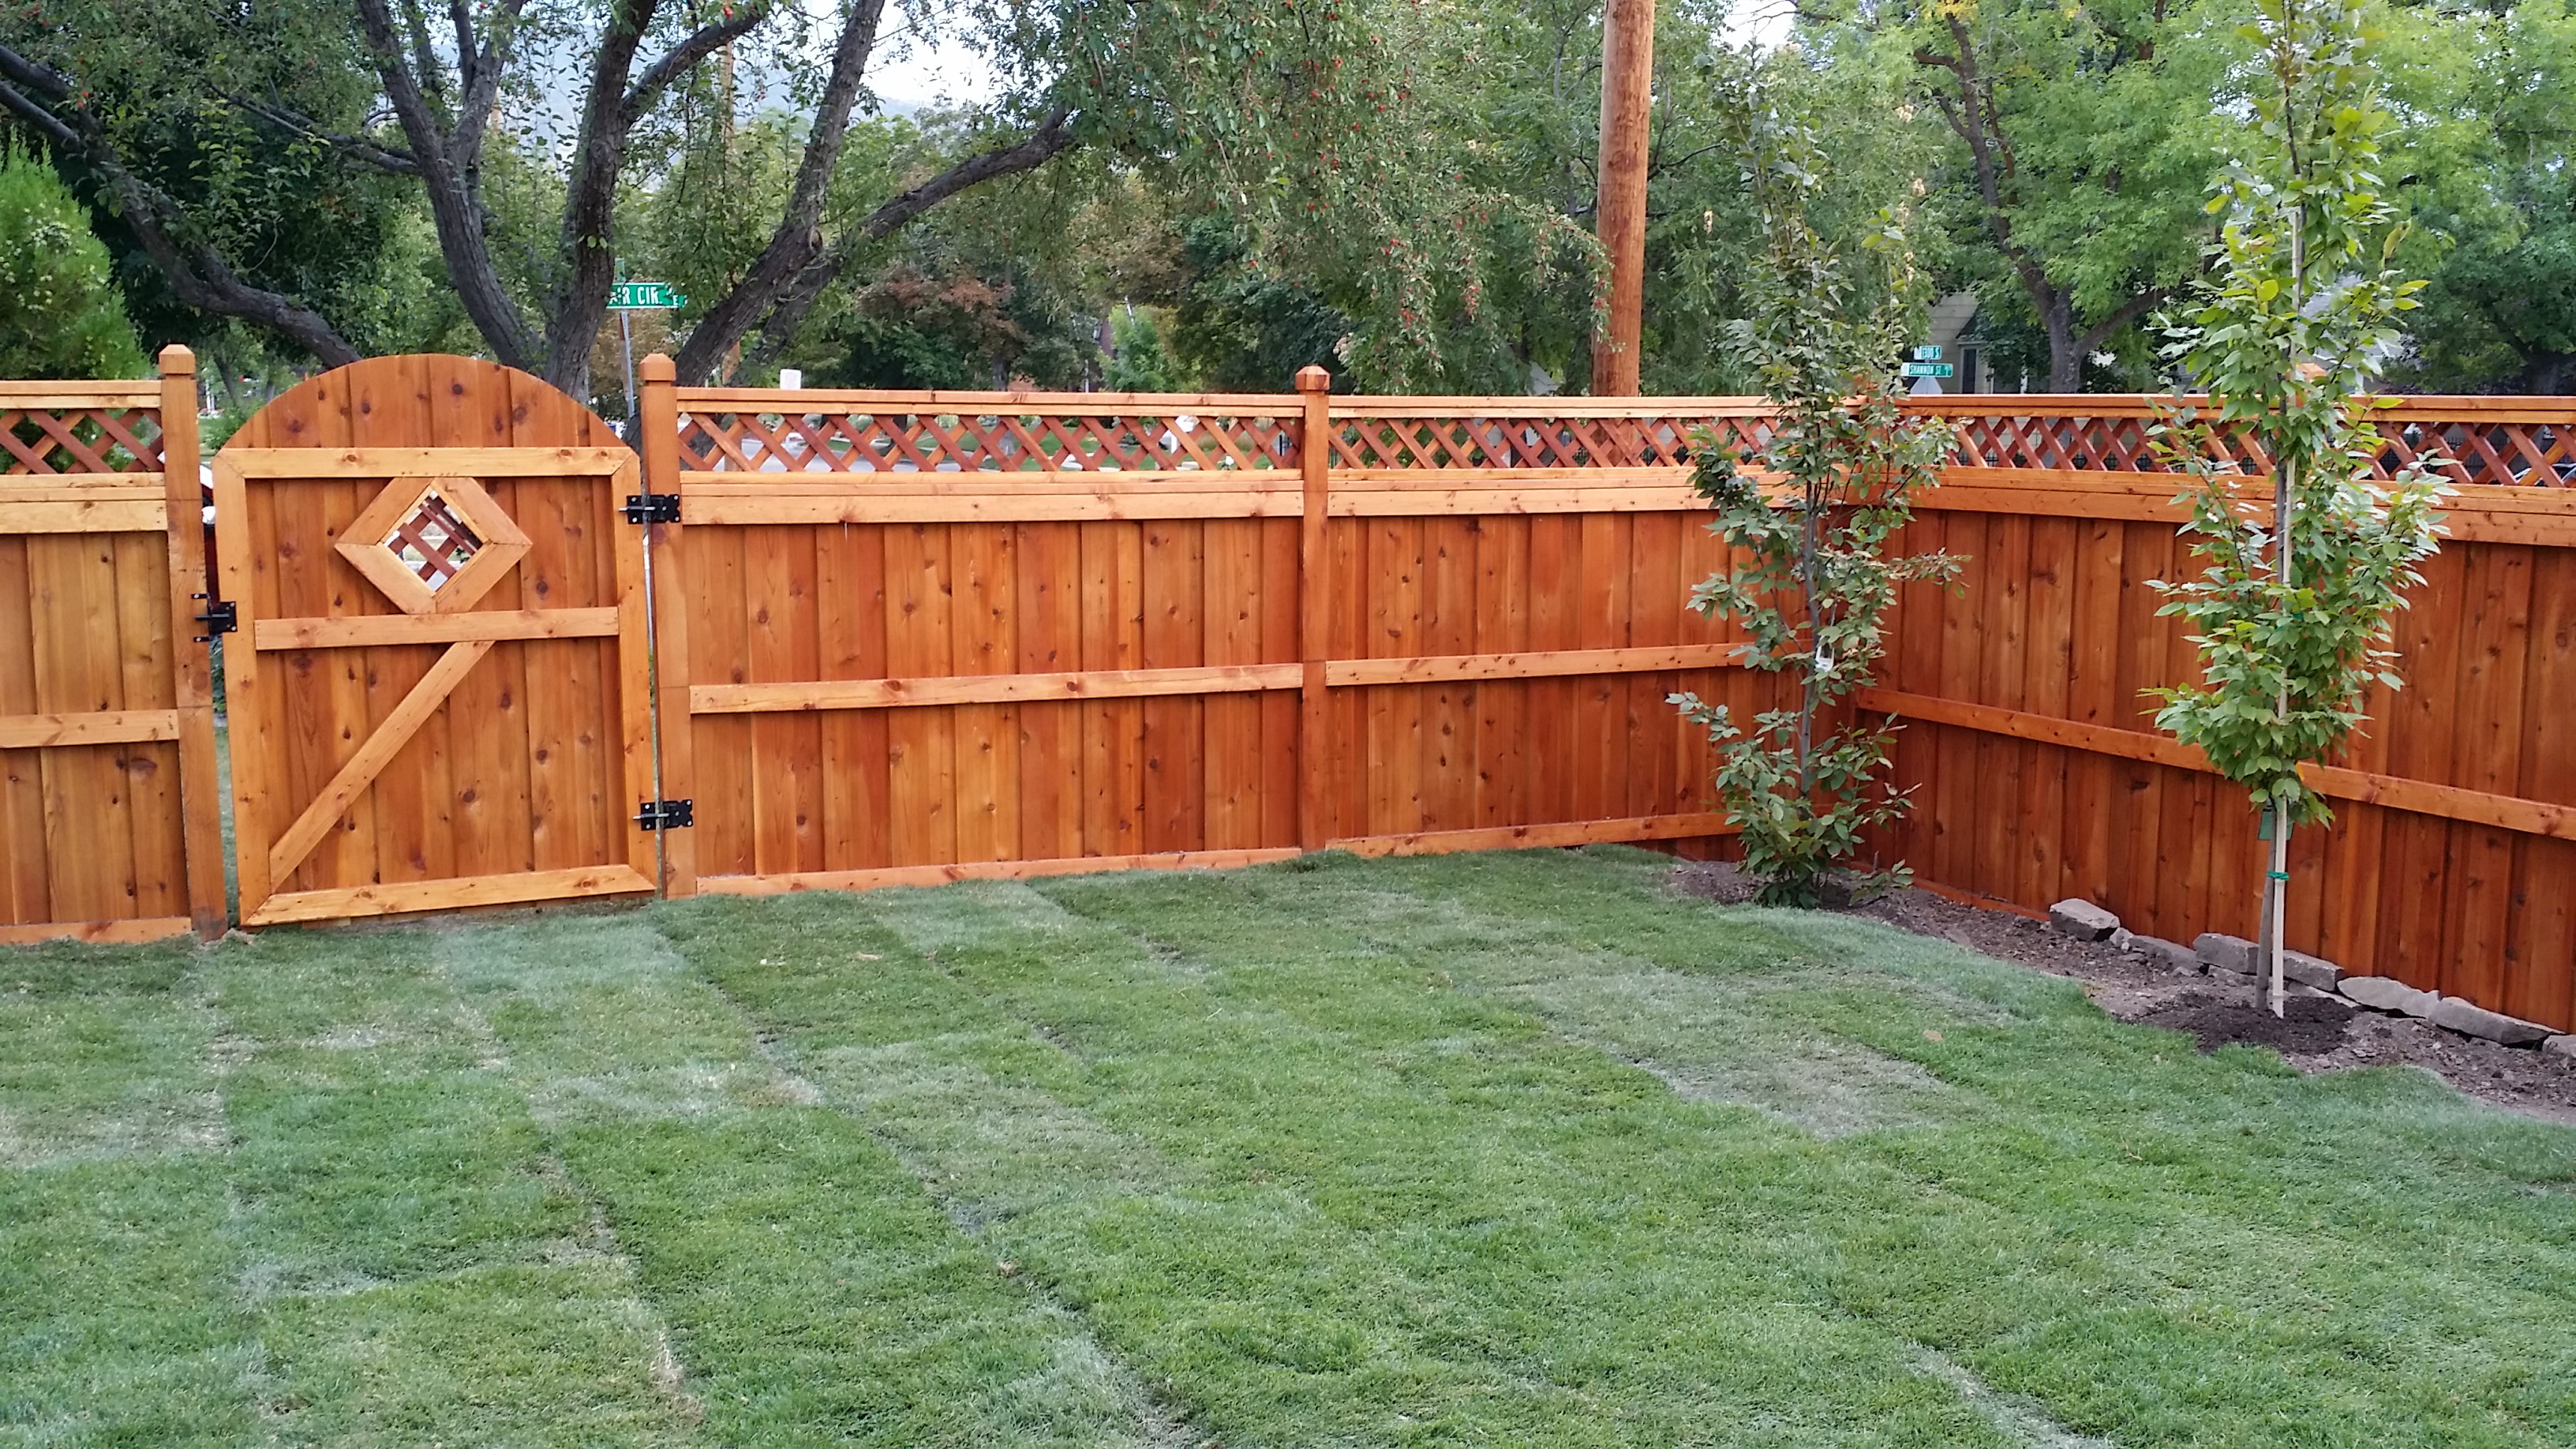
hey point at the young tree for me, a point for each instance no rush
(2293, 613)
(1814, 583)
(60, 312)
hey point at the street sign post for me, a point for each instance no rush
(625, 297)
(644, 297)
(1929, 369)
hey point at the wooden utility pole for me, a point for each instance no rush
(1619, 217)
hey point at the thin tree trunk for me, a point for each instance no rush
(2065, 352)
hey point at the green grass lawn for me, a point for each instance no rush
(1493, 1151)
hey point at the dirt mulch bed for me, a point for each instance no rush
(2320, 1033)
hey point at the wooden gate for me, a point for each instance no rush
(438, 689)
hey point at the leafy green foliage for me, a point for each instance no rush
(1141, 362)
(2075, 140)
(2299, 314)
(2486, 146)
(1812, 582)
(1241, 329)
(61, 314)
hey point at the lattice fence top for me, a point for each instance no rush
(879, 442)
(2472, 451)
(73, 439)
(1521, 441)
(2472, 441)
(2469, 450)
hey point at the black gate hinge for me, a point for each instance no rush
(667, 814)
(652, 507)
(221, 617)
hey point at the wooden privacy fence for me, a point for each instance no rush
(921, 637)
(914, 637)
(109, 823)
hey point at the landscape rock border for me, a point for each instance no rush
(2216, 953)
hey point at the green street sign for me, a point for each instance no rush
(644, 297)
(1928, 369)
(1928, 352)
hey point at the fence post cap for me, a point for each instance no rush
(177, 361)
(657, 367)
(1312, 378)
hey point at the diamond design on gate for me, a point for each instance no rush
(433, 545)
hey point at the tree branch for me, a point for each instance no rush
(2121, 316)
(482, 83)
(1053, 135)
(798, 238)
(588, 256)
(197, 272)
(449, 166)
(686, 56)
(1972, 118)
(424, 58)
(362, 149)
(788, 313)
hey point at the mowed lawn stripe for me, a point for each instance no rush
(412, 1263)
(2158, 1246)
(815, 1292)
(1366, 1232)
(2190, 1248)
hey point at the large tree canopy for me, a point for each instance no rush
(1401, 190)
(1292, 118)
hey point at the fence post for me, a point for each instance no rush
(191, 668)
(1314, 593)
(658, 421)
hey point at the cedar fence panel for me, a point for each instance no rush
(2452, 857)
(926, 637)
(930, 636)
(109, 828)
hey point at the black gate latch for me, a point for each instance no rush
(652, 507)
(221, 617)
(666, 814)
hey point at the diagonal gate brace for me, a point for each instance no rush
(372, 757)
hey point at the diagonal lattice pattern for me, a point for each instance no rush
(2469, 451)
(2076, 444)
(859, 442)
(80, 440)
(431, 543)
(1468, 441)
